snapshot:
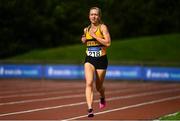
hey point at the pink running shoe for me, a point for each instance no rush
(102, 103)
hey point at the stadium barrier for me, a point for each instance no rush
(77, 72)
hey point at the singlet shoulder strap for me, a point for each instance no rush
(99, 27)
(87, 29)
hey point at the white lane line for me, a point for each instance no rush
(127, 107)
(40, 88)
(22, 90)
(40, 93)
(42, 99)
(62, 97)
(58, 98)
(28, 92)
(60, 91)
(81, 103)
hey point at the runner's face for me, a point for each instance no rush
(94, 16)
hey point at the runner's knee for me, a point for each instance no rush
(89, 84)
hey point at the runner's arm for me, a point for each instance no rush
(106, 41)
(83, 37)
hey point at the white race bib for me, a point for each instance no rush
(94, 51)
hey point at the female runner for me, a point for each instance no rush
(97, 38)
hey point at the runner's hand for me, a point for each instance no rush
(83, 38)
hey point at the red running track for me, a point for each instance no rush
(65, 100)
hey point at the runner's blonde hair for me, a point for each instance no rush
(99, 12)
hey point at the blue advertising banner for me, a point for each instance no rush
(77, 72)
(124, 72)
(20, 71)
(64, 72)
(157, 73)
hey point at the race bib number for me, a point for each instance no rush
(94, 51)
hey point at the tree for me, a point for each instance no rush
(31, 24)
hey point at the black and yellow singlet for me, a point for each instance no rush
(94, 48)
(96, 52)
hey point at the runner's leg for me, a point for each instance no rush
(89, 76)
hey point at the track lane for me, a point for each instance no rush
(77, 106)
(42, 102)
(120, 98)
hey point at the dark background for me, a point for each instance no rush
(30, 24)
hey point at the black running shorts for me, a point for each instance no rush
(98, 62)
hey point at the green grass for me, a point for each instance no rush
(152, 49)
(175, 116)
(147, 48)
(65, 54)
